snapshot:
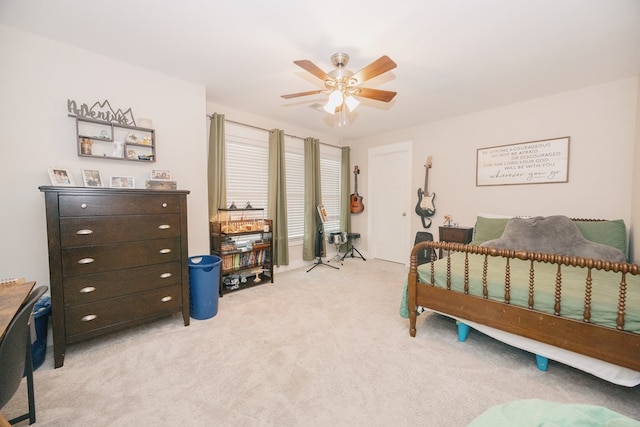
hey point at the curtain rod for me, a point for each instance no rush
(268, 130)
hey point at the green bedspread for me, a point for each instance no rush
(604, 300)
(535, 412)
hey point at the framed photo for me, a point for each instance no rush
(122, 182)
(61, 176)
(161, 175)
(145, 123)
(92, 178)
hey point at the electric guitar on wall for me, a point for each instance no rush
(425, 207)
(356, 199)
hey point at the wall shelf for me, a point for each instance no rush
(108, 140)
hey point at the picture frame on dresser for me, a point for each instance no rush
(92, 178)
(123, 182)
(61, 177)
(160, 175)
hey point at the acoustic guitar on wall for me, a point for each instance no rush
(356, 200)
(425, 207)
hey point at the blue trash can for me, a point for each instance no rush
(41, 312)
(204, 286)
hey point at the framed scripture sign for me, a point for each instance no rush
(535, 162)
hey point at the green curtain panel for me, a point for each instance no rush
(312, 198)
(277, 197)
(216, 169)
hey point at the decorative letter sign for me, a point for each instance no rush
(535, 162)
(101, 111)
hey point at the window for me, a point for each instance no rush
(294, 159)
(247, 152)
(330, 159)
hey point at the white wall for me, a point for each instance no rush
(37, 77)
(600, 120)
(635, 191)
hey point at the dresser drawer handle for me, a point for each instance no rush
(165, 275)
(165, 251)
(164, 227)
(83, 206)
(84, 232)
(166, 299)
(87, 290)
(89, 318)
(86, 261)
(164, 205)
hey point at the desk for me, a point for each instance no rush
(12, 296)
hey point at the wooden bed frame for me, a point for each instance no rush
(614, 345)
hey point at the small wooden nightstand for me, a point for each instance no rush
(455, 235)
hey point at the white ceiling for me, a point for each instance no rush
(454, 56)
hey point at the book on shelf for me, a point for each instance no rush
(245, 259)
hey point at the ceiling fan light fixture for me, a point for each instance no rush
(342, 85)
(336, 98)
(351, 102)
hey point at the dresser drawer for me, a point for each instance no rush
(125, 204)
(94, 259)
(95, 287)
(97, 230)
(115, 311)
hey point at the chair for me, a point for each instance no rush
(351, 237)
(15, 356)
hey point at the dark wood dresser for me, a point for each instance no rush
(117, 258)
(454, 234)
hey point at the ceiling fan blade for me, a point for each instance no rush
(295, 95)
(377, 94)
(377, 67)
(313, 69)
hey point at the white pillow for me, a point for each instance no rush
(491, 215)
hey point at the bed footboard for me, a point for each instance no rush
(615, 345)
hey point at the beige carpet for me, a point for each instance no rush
(324, 348)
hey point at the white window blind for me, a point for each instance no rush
(330, 158)
(294, 159)
(247, 157)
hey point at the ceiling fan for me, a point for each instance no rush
(343, 85)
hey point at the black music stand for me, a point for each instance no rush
(350, 238)
(319, 241)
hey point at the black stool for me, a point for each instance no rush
(350, 238)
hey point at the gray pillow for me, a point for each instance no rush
(553, 234)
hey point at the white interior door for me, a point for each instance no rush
(390, 202)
